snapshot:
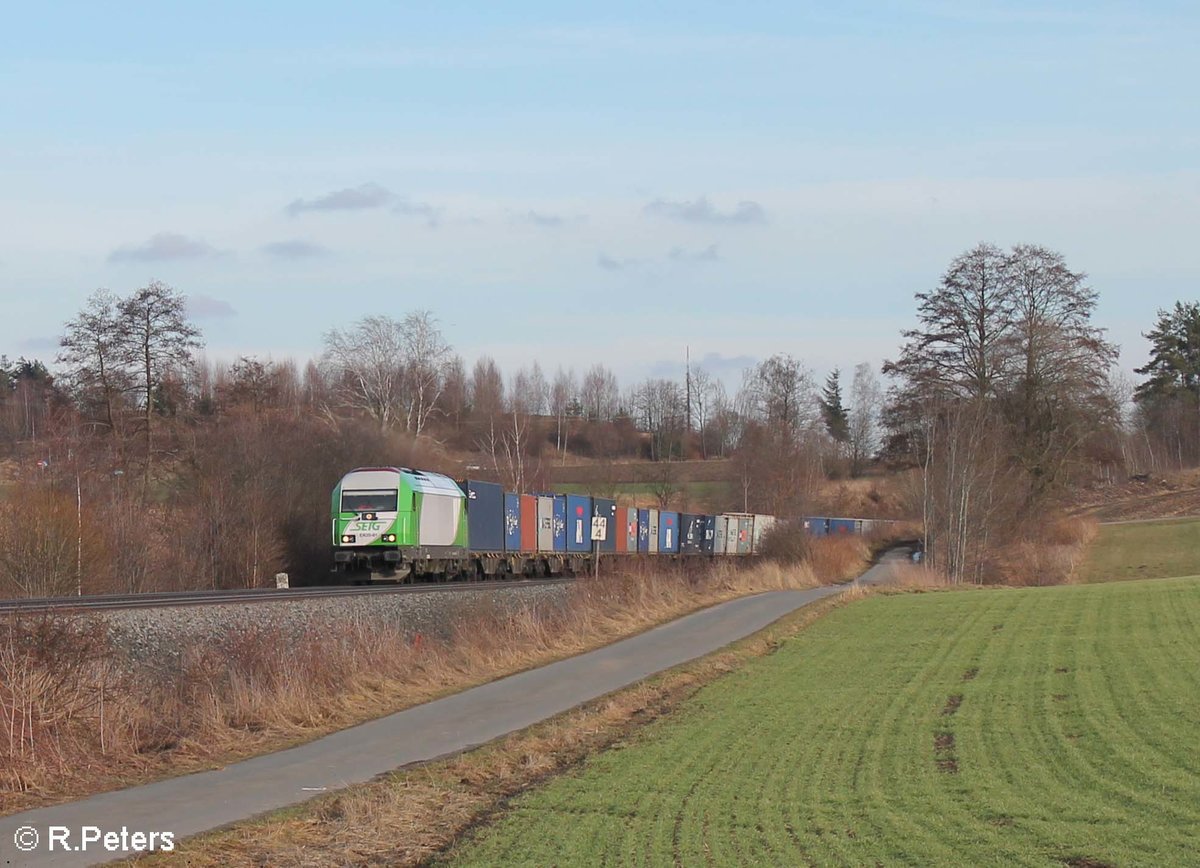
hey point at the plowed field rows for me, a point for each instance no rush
(1045, 726)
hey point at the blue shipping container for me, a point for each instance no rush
(841, 526)
(668, 532)
(579, 523)
(816, 526)
(560, 522)
(643, 530)
(485, 515)
(512, 522)
(607, 509)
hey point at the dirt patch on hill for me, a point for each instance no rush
(1146, 496)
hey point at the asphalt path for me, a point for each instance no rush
(191, 804)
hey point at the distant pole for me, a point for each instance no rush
(79, 538)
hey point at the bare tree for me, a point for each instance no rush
(364, 363)
(487, 389)
(156, 338)
(600, 393)
(703, 388)
(562, 394)
(662, 408)
(780, 392)
(539, 390)
(95, 353)
(1001, 387)
(424, 354)
(314, 387)
(960, 348)
(722, 423)
(455, 398)
(1059, 395)
(253, 382)
(866, 397)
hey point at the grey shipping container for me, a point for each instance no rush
(720, 528)
(653, 548)
(745, 534)
(762, 524)
(545, 526)
(731, 533)
(629, 522)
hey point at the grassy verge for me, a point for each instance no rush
(76, 718)
(1043, 726)
(1144, 550)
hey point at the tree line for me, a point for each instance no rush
(136, 457)
(134, 463)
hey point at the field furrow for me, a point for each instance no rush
(1043, 726)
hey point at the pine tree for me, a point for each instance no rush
(833, 411)
(1174, 364)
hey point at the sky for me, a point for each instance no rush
(581, 183)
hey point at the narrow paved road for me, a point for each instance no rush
(196, 803)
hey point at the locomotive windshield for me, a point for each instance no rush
(369, 501)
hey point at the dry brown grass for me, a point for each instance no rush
(1050, 556)
(411, 816)
(915, 577)
(76, 718)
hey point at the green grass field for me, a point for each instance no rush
(1144, 550)
(1044, 726)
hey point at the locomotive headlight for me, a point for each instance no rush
(348, 537)
(389, 537)
(369, 516)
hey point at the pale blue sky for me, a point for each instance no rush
(605, 183)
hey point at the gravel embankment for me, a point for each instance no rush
(157, 636)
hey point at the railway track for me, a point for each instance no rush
(251, 595)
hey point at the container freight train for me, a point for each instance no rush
(396, 523)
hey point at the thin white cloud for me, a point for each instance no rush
(703, 211)
(408, 208)
(720, 366)
(361, 198)
(294, 249)
(366, 197)
(549, 220)
(163, 247)
(708, 254)
(611, 263)
(206, 307)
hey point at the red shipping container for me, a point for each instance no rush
(528, 523)
(621, 530)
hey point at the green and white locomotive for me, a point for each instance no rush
(397, 522)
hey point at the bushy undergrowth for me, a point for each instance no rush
(77, 716)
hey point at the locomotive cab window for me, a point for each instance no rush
(369, 501)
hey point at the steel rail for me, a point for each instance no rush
(166, 599)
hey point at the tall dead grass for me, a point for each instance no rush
(76, 716)
(1048, 555)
